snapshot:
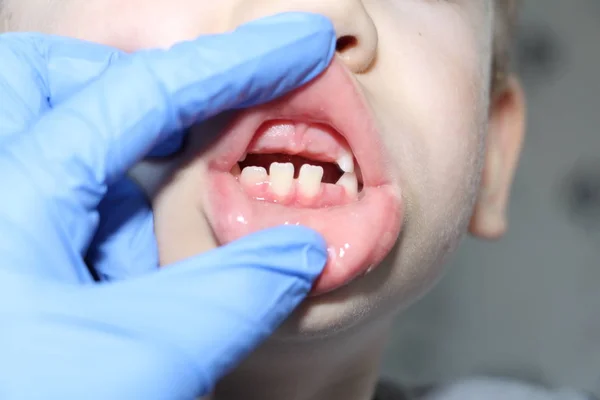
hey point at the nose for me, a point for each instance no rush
(357, 36)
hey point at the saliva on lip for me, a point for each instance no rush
(288, 223)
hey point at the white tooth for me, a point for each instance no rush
(252, 176)
(349, 182)
(243, 158)
(282, 178)
(346, 161)
(309, 180)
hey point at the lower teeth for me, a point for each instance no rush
(281, 179)
(349, 182)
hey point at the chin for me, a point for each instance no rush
(316, 158)
(371, 302)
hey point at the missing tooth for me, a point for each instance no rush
(331, 172)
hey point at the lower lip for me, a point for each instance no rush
(358, 235)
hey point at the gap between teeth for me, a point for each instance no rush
(281, 179)
(345, 161)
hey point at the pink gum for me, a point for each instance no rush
(299, 138)
(329, 195)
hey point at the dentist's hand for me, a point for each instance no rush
(66, 136)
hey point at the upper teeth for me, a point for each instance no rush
(346, 161)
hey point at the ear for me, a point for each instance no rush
(504, 142)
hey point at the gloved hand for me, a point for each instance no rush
(164, 335)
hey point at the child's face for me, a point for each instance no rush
(410, 98)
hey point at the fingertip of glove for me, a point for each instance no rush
(295, 248)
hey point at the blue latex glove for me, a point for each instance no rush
(66, 137)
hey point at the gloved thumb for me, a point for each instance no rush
(211, 310)
(124, 245)
(167, 335)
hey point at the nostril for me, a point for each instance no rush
(345, 43)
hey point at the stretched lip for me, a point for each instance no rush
(314, 103)
(358, 234)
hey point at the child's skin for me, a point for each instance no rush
(424, 68)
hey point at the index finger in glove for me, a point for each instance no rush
(65, 162)
(153, 95)
(39, 71)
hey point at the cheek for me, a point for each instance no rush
(139, 24)
(176, 188)
(432, 69)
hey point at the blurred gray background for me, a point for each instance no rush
(529, 305)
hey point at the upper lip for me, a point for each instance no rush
(343, 108)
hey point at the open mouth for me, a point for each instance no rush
(313, 158)
(299, 164)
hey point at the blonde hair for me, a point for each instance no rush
(504, 32)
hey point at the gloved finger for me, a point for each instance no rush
(175, 332)
(90, 140)
(40, 70)
(217, 307)
(73, 64)
(124, 245)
